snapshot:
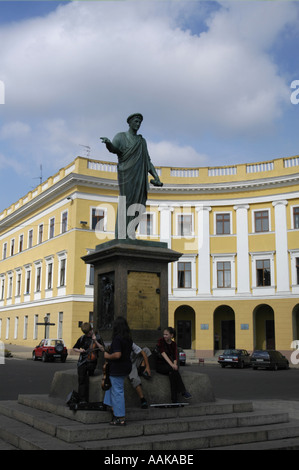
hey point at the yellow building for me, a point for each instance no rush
(237, 227)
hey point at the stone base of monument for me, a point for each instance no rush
(156, 389)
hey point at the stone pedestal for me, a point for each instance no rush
(131, 280)
(156, 390)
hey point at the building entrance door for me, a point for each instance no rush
(184, 334)
(228, 334)
(270, 334)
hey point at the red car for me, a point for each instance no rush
(50, 349)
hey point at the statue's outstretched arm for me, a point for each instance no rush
(109, 145)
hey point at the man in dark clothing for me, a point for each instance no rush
(88, 359)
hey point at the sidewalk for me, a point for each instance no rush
(25, 352)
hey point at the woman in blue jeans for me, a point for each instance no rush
(120, 366)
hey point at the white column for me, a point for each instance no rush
(204, 287)
(281, 245)
(165, 224)
(165, 235)
(243, 276)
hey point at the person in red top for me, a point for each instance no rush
(167, 364)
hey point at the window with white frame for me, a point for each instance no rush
(16, 327)
(49, 273)
(146, 225)
(295, 269)
(35, 327)
(62, 269)
(98, 221)
(60, 325)
(295, 217)
(223, 223)
(40, 233)
(4, 255)
(10, 280)
(27, 279)
(30, 238)
(38, 273)
(184, 275)
(51, 228)
(18, 282)
(184, 225)
(62, 272)
(224, 277)
(25, 333)
(7, 328)
(2, 287)
(21, 243)
(263, 271)
(261, 220)
(64, 217)
(12, 247)
(223, 274)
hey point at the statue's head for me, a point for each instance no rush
(132, 116)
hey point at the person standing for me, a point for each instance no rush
(87, 362)
(120, 366)
(167, 364)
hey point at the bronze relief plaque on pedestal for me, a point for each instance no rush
(143, 304)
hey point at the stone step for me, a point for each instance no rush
(24, 427)
(57, 407)
(198, 440)
(291, 443)
(24, 437)
(93, 432)
(6, 446)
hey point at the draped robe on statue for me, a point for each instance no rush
(134, 163)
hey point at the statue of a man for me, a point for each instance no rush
(134, 164)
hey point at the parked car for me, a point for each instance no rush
(234, 357)
(182, 357)
(50, 349)
(269, 359)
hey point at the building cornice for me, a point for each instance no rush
(67, 183)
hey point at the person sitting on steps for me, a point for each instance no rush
(167, 364)
(140, 367)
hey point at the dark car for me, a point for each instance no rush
(235, 358)
(50, 349)
(269, 359)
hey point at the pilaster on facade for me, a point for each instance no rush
(204, 274)
(243, 280)
(281, 245)
(165, 234)
(165, 224)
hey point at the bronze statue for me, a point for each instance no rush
(134, 164)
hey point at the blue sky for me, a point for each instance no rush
(212, 79)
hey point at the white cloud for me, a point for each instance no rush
(77, 73)
(169, 154)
